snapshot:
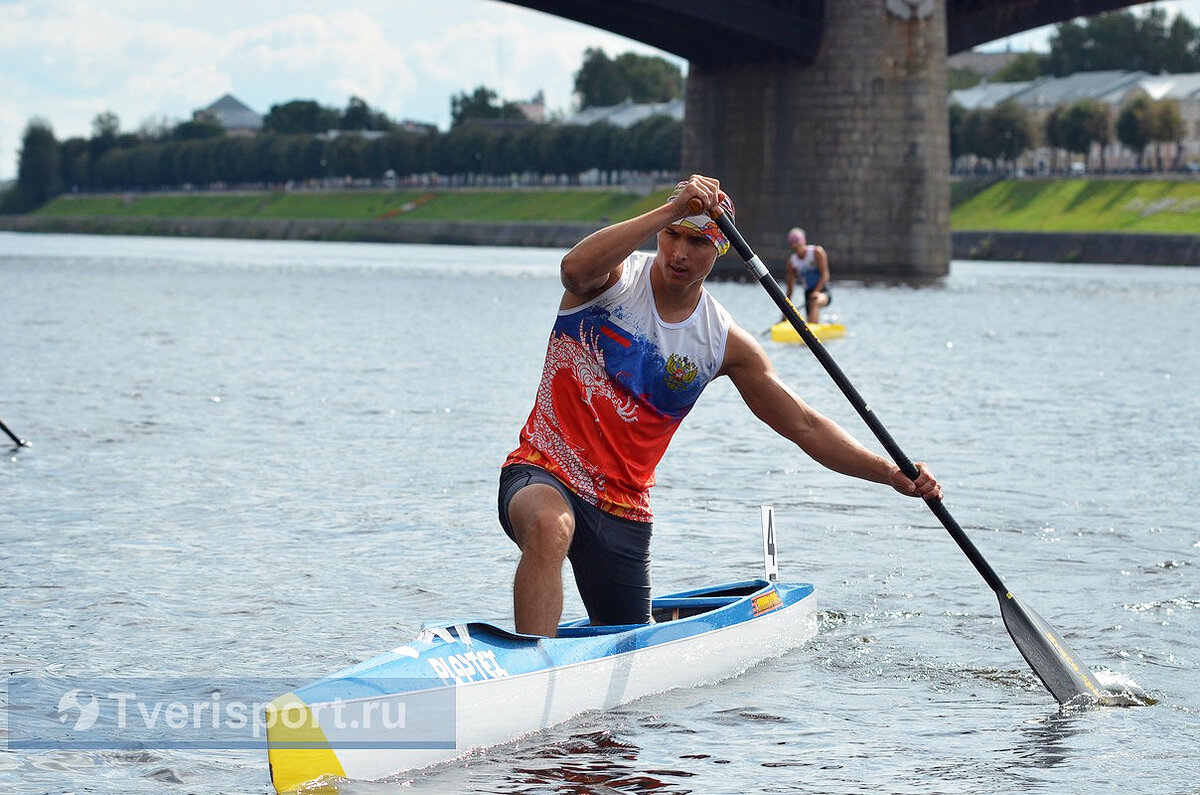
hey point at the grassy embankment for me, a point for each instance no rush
(1163, 207)
(1159, 207)
(445, 205)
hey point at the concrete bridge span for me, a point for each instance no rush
(826, 114)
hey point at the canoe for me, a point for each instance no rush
(783, 331)
(464, 686)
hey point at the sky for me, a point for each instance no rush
(65, 61)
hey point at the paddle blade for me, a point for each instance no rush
(1063, 673)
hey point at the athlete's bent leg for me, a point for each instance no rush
(543, 525)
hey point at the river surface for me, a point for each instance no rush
(270, 460)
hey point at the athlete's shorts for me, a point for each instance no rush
(808, 295)
(610, 556)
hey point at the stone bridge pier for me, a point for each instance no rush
(853, 147)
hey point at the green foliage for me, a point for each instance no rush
(482, 104)
(301, 116)
(1084, 122)
(39, 176)
(1001, 133)
(360, 116)
(1133, 125)
(197, 129)
(602, 81)
(267, 158)
(958, 79)
(1026, 66)
(1123, 40)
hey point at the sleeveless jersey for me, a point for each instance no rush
(806, 269)
(616, 383)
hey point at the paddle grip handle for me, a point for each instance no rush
(695, 207)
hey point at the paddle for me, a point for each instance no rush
(18, 441)
(1061, 671)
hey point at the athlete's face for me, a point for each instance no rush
(685, 255)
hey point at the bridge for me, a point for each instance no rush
(827, 115)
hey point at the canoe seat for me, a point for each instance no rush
(675, 607)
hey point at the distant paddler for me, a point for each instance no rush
(808, 265)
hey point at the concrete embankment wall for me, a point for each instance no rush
(1096, 247)
(554, 235)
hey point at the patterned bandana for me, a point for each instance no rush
(708, 227)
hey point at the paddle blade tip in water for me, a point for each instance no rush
(1062, 672)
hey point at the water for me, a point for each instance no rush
(273, 459)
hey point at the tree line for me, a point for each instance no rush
(1003, 133)
(1150, 43)
(303, 141)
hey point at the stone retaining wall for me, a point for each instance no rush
(1096, 247)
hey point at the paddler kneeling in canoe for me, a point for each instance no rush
(637, 339)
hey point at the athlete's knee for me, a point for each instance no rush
(547, 536)
(542, 523)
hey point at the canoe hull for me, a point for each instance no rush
(472, 686)
(785, 332)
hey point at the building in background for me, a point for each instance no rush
(232, 114)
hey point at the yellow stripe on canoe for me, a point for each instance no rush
(783, 331)
(297, 748)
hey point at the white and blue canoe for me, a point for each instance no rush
(461, 687)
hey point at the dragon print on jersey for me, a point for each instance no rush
(586, 360)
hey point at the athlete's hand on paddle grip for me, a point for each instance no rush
(697, 193)
(925, 486)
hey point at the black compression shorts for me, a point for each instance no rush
(610, 556)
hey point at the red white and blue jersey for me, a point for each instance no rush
(617, 382)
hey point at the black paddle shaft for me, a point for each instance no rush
(759, 271)
(17, 440)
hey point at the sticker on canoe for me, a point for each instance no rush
(470, 667)
(765, 602)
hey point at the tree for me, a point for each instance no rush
(1056, 135)
(360, 116)
(75, 162)
(958, 116)
(598, 81)
(1123, 40)
(301, 116)
(482, 104)
(1166, 125)
(38, 167)
(1007, 131)
(1133, 126)
(601, 81)
(649, 78)
(1181, 51)
(198, 129)
(1084, 123)
(105, 129)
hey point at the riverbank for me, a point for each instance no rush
(1118, 221)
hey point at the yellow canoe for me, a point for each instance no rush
(783, 331)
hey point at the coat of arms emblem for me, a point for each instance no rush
(681, 371)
